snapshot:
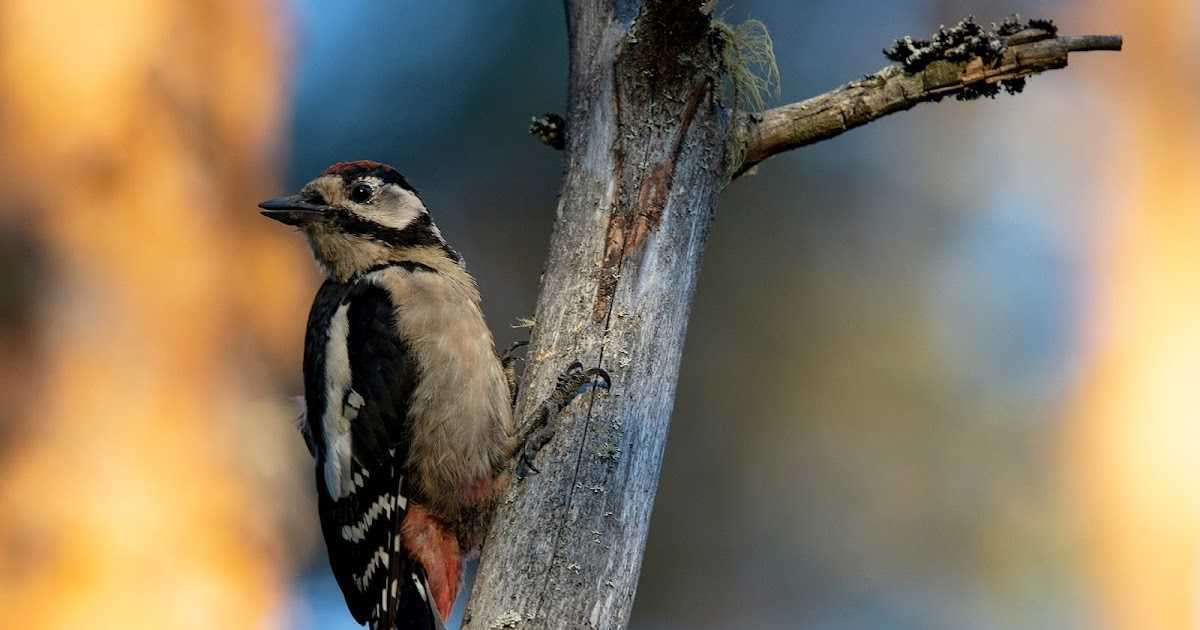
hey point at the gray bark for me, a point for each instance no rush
(647, 152)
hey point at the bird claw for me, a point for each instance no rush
(525, 467)
(508, 364)
(575, 377)
(516, 345)
(540, 429)
(602, 374)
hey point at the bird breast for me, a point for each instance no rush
(459, 414)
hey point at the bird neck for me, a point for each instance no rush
(344, 257)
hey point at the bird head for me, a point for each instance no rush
(356, 215)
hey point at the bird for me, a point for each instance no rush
(408, 408)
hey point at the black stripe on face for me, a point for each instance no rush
(419, 233)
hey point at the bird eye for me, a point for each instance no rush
(361, 193)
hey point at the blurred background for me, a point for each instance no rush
(940, 372)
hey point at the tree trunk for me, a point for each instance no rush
(649, 146)
(644, 165)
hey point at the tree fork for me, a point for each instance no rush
(648, 139)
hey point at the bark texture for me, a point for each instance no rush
(647, 138)
(645, 153)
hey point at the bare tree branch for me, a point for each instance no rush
(647, 144)
(892, 90)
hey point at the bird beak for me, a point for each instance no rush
(292, 210)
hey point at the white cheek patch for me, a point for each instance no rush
(393, 207)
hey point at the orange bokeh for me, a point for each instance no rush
(1136, 420)
(137, 136)
(148, 484)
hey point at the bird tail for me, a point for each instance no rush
(385, 586)
(408, 606)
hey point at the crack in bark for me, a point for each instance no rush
(656, 188)
(628, 230)
(614, 237)
(539, 568)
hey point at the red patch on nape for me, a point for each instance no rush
(356, 166)
(426, 539)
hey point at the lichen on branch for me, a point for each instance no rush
(748, 61)
(751, 74)
(551, 129)
(965, 61)
(963, 42)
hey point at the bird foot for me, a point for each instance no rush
(538, 429)
(508, 363)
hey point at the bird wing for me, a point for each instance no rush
(362, 376)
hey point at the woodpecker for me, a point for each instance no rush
(408, 410)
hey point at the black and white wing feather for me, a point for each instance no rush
(359, 376)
